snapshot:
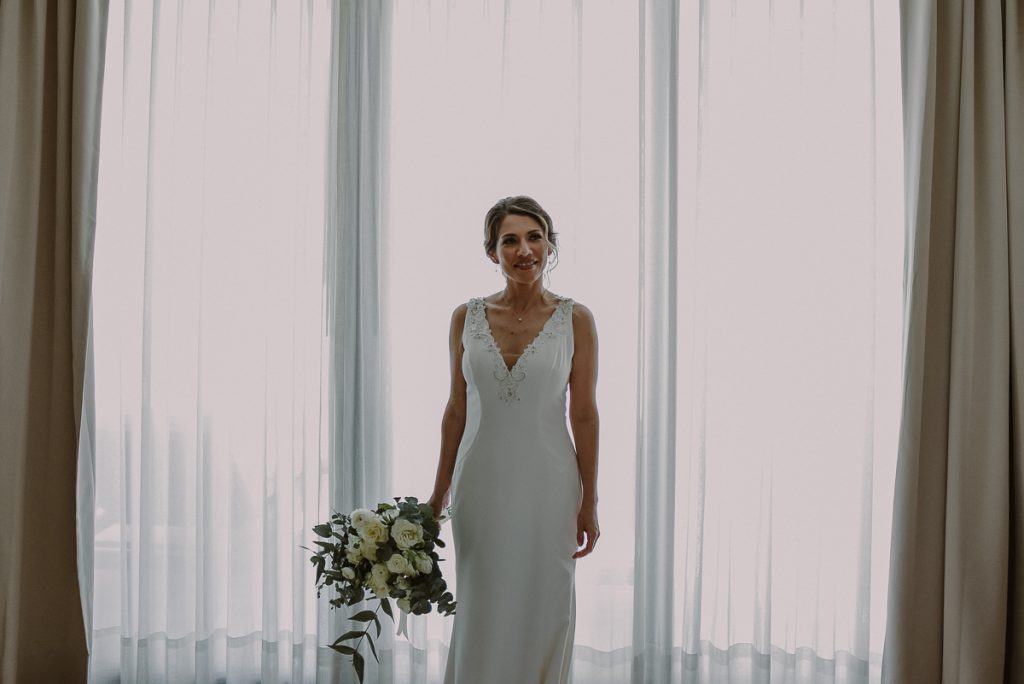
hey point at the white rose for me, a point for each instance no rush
(374, 531)
(404, 605)
(398, 565)
(423, 562)
(360, 517)
(348, 573)
(353, 554)
(410, 557)
(379, 574)
(406, 533)
(380, 590)
(369, 551)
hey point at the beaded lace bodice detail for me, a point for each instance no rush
(509, 379)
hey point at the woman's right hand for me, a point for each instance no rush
(438, 503)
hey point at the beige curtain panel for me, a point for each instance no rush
(51, 56)
(956, 610)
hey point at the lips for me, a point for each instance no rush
(526, 264)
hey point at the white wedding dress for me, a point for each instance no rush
(515, 495)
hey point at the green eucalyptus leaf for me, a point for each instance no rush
(351, 634)
(364, 616)
(385, 605)
(359, 664)
(373, 649)
(344, 650)
(322, 530)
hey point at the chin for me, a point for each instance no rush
(523, 277)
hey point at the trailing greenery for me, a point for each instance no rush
(385, 553)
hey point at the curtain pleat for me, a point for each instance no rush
(656, 539)
(51, 67)
(955, 607)
(355, 274)
(1013, 64)
(355, 283)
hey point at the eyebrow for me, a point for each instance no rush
(505, 235)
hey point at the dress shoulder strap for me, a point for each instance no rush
(562, 323)
(474, 325)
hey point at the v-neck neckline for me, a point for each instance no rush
(527, 348)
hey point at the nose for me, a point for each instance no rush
(523, 249)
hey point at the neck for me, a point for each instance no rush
(520, 296)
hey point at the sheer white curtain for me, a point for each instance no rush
(773, 240)
(210, 347)
(726, 178)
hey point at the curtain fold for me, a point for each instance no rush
(51, 71)
(955, 610)
(355, 285)
(356, 240)
(660, 159)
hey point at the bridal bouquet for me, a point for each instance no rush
(389, 553)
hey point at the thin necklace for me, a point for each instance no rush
(518, 318)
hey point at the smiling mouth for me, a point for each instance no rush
(527, 264)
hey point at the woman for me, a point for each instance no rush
(523, 499)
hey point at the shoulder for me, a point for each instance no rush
(582, 316)
(584, 329)
(459, 314)
(459, 319)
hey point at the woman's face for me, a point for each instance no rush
(522, 249)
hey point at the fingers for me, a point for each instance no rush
(591, 534)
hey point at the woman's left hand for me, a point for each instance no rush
(587, 530)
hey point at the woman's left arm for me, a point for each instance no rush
(585, 423)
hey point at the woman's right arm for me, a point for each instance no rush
(454, 420)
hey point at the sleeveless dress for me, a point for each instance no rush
(515, 495)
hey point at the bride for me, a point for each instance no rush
(522, 493)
